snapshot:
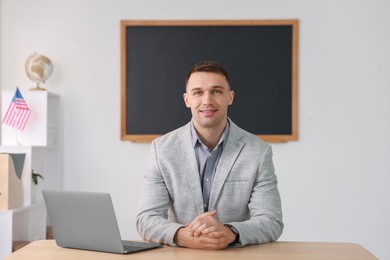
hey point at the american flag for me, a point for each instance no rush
(17, 113)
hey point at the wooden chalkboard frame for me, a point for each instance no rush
(294, 73)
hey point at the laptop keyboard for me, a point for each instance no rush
(132, 246)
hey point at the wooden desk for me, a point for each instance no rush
(48, 250)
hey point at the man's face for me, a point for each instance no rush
(208, 95)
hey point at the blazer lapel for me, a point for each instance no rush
(190, 166)
(230, 152)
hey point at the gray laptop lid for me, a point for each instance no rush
(86, 220)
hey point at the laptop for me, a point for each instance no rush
(86, 220)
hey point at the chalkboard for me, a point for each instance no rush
(260, 56)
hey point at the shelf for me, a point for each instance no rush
(40, 142)
(21, 224)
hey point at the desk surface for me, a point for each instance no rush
(47, 249)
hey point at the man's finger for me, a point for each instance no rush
(199, 230)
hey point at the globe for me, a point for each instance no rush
(38, 68)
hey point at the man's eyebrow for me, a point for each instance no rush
(217, 87)
(195, 89)
(213, 87)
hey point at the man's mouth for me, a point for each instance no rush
(208, 112)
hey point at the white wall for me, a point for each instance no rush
(333, 181)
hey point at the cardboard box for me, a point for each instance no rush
(11, 186)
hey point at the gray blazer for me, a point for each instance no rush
(244, 191)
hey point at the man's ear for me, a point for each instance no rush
(231, 96)
(186, 100)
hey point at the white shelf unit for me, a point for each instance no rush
(40, 142)
(27, 223)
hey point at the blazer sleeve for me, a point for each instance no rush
(152, 220)
(265, 223)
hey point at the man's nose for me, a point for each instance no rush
(207, 98)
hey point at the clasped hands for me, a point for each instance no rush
(205, 232)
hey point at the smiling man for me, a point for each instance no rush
(210, 184)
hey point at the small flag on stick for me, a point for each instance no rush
(17, 113)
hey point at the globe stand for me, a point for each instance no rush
(38, 88)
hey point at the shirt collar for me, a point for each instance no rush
(196, 139)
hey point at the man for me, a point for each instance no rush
(210, 184)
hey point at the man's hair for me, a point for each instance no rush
(208, 66)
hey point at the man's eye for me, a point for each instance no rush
(217, 91)
(196, 93)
